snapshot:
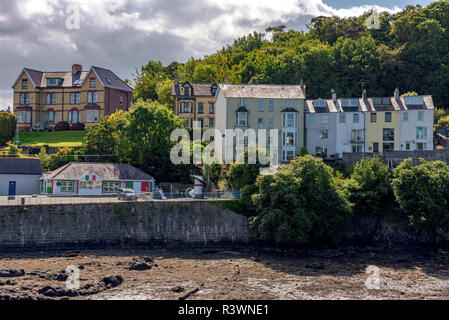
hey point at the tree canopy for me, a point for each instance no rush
(409, 50)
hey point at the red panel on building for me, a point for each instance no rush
(145, 186)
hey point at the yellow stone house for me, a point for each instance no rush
(195, 102)
(73, 96)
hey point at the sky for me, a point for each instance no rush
(122, 35)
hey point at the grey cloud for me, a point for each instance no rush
(43, 42)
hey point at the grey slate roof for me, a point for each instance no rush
(107, 171)
(39, 78)
(199, 89)
(368, 105)
(20, 166)
(262, 91)
(114, 81)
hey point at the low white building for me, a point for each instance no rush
(82, 178)
(19, 176)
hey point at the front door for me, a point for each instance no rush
(375, 147)
(12, 188)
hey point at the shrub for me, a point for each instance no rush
(370, 187)
(241, 175)
(423, 193)
(8, 123)
(443, 122)
(13, 151)
(246, 205)
(62, 126)
(40, 127)
(302, 201)
(79, 126)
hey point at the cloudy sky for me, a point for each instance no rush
(124, 34)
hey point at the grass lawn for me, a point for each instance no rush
(53, 139)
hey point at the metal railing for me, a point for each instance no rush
(28, 200)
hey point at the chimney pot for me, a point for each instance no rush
(396, 94)
(76, 68)
(364, 94)
(334, 95)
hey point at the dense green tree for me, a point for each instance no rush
(423, 193)
(301, 202)
(409, 51)
(370, 188)
(8, 124)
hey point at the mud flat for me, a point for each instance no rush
(243, 274)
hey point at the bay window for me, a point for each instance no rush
(289, 120)
(242, 119)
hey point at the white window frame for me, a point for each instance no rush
(242, 119)
(324, 134)
(423, 135)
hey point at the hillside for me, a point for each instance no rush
(409, 50)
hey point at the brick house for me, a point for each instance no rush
(76, 96)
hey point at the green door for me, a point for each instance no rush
(130, 185)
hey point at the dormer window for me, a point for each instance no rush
(54, 82)
(186, 92)
(320, 103)
(414, 101)
(349, 102)
(213, 90)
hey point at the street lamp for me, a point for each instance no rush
(17, 142)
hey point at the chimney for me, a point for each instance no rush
(177, 79)
(334, 95)
(396, 94)
(364, 94)
(302, 86)
(226, 80)
(76, 68)
(9, 109)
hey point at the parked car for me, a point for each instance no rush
(127, 195)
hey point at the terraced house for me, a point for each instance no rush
(263, 107)
(195, 102)
(335, 126)
(76, 96)
(399, 123)
(373, 125)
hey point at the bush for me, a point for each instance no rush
(62, 126)
(77, 126)
(301, 202)
(370, 188)
(423, 193)
(247, 207)
(241, 175)
(13, 150)
(443, 122)
(8, 123)
(40, 127)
